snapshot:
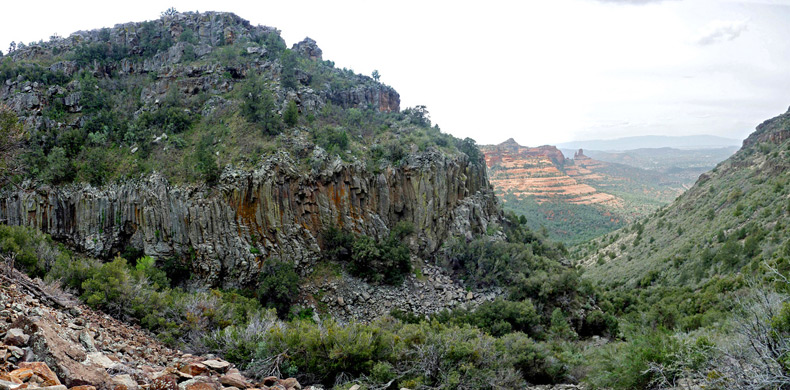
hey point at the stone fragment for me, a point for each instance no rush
(16, 352)
(16, 337)
(200, 383)
(269, 381)
(291, 383)
(193, 369)
(8, 385)
(355, 387)
(87, 341)
(235, 380)
(83, 387)
(217, 365)
(41, 370)
(124, 382)
(99, 359)
(165, 382)
(55, 387)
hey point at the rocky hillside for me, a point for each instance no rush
(733, 219)
(200, 136)
(49, 341)
(575, 199)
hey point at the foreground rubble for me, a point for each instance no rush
(66, 346)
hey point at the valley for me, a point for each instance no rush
(187, 203)
(575, 199)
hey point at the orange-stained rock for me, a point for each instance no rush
(42, 371)
(20, 375)
(9, 378)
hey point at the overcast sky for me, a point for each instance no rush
(542, 72)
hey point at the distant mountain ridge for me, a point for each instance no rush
(653, 141)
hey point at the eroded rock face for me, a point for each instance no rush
(276, 210)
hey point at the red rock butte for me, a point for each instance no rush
(544, 173)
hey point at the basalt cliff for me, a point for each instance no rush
(143, 113)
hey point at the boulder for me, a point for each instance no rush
(55, 387)
(165, 382)
(8, 385)
(98, 359)
(84, 387)
(200, 383)
(63, 358)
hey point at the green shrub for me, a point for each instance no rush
(111, 288)
(387, 261)
(535, 361)
(278, 286)
(60, 168)
(291, 114)
(206, 162)
(625, 365)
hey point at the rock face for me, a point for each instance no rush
(275, 210)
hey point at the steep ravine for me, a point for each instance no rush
(225, 233)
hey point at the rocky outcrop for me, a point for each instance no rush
(309, 49)
(276, 210)
(775, 130)
(380, 97)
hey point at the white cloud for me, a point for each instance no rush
(721, 31)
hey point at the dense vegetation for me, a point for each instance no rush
(530, 336)
(565, 222)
